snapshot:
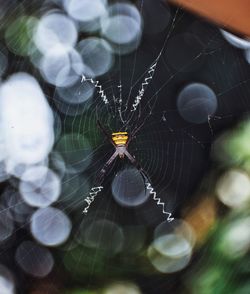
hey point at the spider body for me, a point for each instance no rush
(120, 140)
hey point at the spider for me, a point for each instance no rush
(120, 141)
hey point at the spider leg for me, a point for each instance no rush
(133, 160)
(138, 166)
(129, 156)
(102, 172)
(98, 183)
(136, 130)
(105, 133)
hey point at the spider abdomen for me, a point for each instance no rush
(120, 138)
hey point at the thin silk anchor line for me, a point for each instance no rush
(158, 201)
(98, 86)
(92, 195)
(150, 73)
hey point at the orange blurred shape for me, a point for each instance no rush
(202, 218)
(233, 15)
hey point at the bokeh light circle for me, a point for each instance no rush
(109, 239)
(33, 259)
(172, 247)
(50, 226)
(233, 188)
(235, 40)
(122, 23)
(77, 93)
(84, 11)
(128, 188)
(96, 54)
(55, 30)
(196, 103)
(7, 284)
(40, 186)
(61, 67)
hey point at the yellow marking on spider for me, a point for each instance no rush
(120, 138)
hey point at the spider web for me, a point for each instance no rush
(170, 150)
